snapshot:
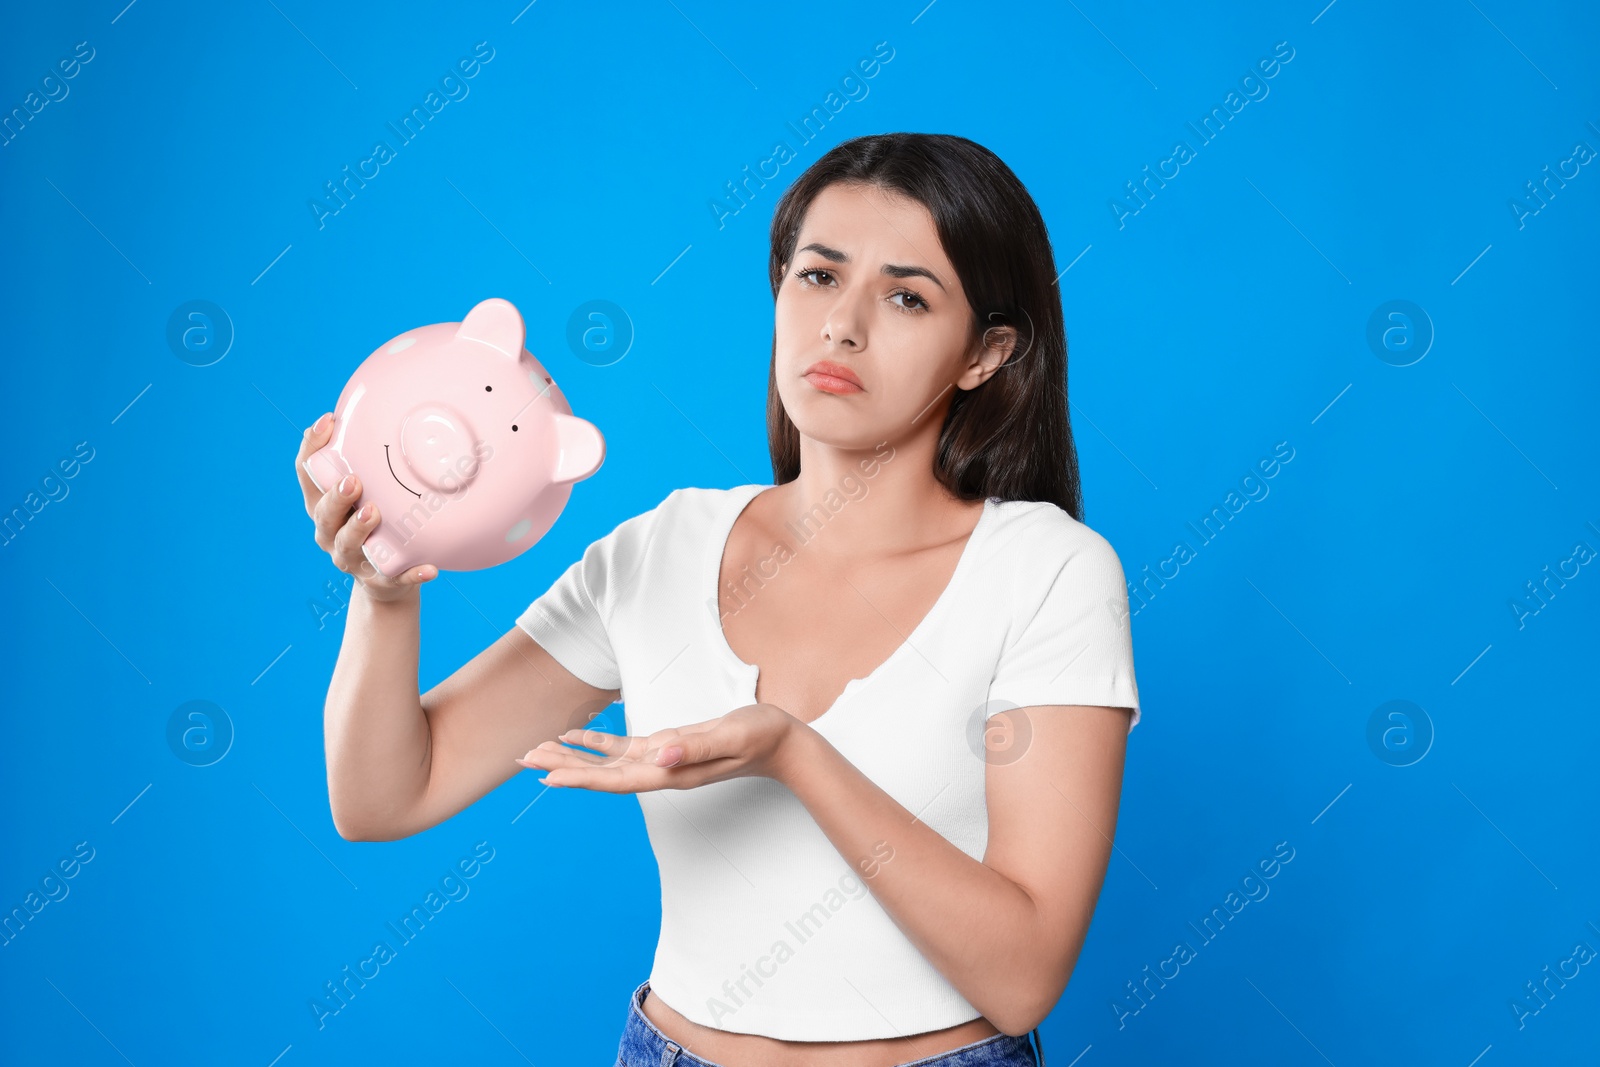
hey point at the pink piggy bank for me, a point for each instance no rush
(461, 439)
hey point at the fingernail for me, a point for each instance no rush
(365, 513)
(322, 422)
(674, 761)
(348, 485)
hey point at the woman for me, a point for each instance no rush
(880, 766)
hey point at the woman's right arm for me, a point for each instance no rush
(400, 761)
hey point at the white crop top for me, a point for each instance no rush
(761, 918)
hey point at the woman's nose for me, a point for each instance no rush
(845, 322)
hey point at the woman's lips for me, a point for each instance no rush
(829, 384)
(832, 378)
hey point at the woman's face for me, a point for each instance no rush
(869, 289)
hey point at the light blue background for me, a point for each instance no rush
(1228, 315)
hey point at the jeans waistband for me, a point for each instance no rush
(644, 1045)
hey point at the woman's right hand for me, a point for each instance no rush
(341, 534)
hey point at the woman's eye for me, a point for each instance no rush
(808, 277)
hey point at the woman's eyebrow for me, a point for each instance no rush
(891, 269)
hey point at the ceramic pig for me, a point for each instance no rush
(462, 440)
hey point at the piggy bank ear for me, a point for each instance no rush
(496, 323)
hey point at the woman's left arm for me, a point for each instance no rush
(1006, 932)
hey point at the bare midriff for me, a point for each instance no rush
(752, 1050)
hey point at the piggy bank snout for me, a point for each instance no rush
(437, 443)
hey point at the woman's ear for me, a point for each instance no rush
(991, 352)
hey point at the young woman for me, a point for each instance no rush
(877, 710)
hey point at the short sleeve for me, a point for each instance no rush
(572, 619)
(1077, 648)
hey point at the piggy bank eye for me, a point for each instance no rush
(488, 388)
(513, 427)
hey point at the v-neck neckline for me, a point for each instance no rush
(717, 548)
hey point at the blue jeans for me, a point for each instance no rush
(643, 1045)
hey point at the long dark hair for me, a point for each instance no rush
(1010, 437)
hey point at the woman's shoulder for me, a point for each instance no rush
(686, 510)
(710, 497)
(692, 505)
(1048, 525)
(1043, 555)
(1039, 531)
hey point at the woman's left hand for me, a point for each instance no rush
(747, 742)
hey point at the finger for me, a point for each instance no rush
(619, 778)
(696, 727)
(332, 512)
(614, 746)
(671, 748)
(640, 777)
(315, 436)
(425, 572)
(552, 754)
(599, 779)
(346, 550)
